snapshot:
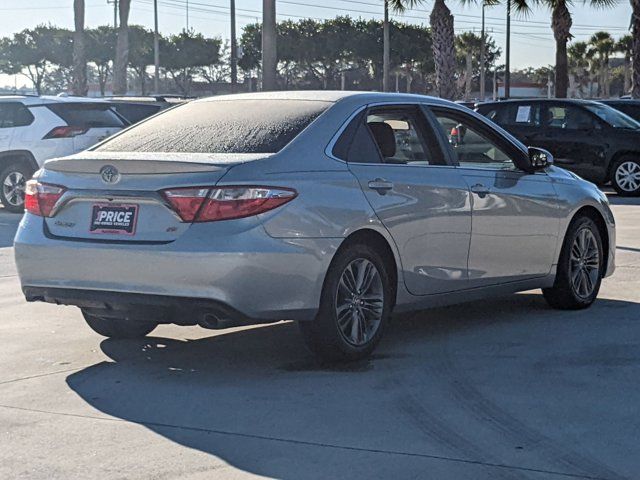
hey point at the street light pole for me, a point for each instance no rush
(482, 55)
(385, 49)
(507, 67)
(234, 49)
(156, 49)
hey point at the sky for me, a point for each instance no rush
(532, 38)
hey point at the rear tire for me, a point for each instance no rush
(355, 306)
(625, 176)
(580, 267)
(12, 184)
(118, 327)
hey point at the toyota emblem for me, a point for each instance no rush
(109, 174)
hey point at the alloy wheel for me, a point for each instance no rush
(584, 263)
(628, 176)
(13, 188)
(359, 302)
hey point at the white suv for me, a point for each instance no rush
(36, 128)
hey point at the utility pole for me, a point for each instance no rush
(156, 49)
(482, 55)
(269, 45)
(234, 49)
(386, 74)
(115, 12)
(187, 3)
(507, 67)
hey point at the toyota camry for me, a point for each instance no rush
(332, 209)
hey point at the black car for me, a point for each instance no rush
(625, 105)
(136, 109)
(589, 138)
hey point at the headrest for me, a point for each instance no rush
(384, 137)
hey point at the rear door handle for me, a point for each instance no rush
(380, 185)
(481, 190)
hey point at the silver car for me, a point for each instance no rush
(329, 208)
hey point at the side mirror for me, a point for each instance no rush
(539, 159)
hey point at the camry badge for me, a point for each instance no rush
(109, 174)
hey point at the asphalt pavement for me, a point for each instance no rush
(500, 389)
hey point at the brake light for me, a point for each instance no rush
(225, 203)
(65, 132)
(40, 198)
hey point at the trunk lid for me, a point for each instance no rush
(103, 189)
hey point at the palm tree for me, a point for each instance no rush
(635, 48)
(579, 65)
(443, 38)
(122, 50)
(624, 46)
(601, 46)
(561, 25)
(79, 83)
(468, 45)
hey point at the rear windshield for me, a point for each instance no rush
(223, 126)
(134, 112)
(88, 115)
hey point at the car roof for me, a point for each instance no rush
(34, 99)
(331, 96)
(577, 101)
(621, 101)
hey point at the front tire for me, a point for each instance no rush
(117, 327)
(355, 306)
(625, 177)
(13, 179)
(580, 267)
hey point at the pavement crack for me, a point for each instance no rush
(309, 443)
(4, 382)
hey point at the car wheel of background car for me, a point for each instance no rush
(625, 176)
(580, 267)
(117, 327)
(12, 184)
(355, 306)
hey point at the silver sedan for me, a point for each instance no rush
(329, 208)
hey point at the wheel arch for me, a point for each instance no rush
(8, 157)
(382, 245)
(594, 214)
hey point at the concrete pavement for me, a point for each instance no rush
(503, 389)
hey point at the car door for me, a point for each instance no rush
(515, 215)
(6, 125)
(575, 138)
(422, 201)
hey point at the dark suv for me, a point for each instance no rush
(589, 138)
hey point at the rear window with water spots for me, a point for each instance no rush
(227, 126)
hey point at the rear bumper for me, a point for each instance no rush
(248, 273)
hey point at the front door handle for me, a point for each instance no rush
(481, 190)
(380, 185)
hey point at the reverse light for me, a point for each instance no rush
(225, 203)
(65, 132)
(40, 198)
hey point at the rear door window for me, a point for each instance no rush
(14, 115)
(87, 115)
(569, 117)
(221, 126)
(521, 115)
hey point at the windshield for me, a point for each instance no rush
(613, 117)
(221, 126)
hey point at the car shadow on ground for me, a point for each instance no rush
(258, 400)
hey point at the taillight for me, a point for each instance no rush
(40, 198)
(225, 203)
(65, 132)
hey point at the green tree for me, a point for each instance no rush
(185, 54)
(579, 66)
(624, 45)
(140, 53)
(101, 50)
(468, 46)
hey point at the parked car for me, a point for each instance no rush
(328, 208)
(136, 109)
(34, 129)
(626, 106)
(589, 138)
